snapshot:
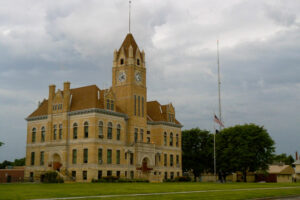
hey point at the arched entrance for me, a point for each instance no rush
(56, 162)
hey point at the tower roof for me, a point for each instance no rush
(129, 40)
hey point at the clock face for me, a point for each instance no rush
(122, 76)
(138, 76)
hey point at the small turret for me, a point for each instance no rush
(129, 53)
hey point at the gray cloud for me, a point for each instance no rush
(50, 42)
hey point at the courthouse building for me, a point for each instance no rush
(87, 133)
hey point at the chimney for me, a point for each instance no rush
(67, 86)
(296, 155)
(51, 91)
(67, 94)
(51, 95)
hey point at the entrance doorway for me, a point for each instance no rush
(56, 162)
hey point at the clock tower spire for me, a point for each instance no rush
(129, 83)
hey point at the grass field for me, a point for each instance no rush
(207, 190)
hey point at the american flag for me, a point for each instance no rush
(216, 119)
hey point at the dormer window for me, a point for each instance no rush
(122, 61)
(138, 61)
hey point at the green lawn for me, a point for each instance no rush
(34, 191)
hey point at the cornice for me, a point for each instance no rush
(165, 123)
(82, 112)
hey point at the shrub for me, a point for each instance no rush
(115, 179)
(183, 179)
(52, 177)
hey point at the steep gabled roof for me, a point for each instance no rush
(85, 97)
(81, 98)
(41, 110)
(129, 40)
(157, 112)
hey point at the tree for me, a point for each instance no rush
(17, 162)
(283, 158)
(244, 148)
(197, 151)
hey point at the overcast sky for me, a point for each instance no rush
(46, 42)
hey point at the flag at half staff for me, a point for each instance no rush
(216, 119)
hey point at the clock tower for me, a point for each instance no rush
(129, 85)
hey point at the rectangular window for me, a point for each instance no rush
(74, 156)
(74, 175)
(31, 176)
(126, 174)
(42, 158)
(178, 174)
(131, 174)
(109, 156)
(118, 174)
(134, 104)
(177, 160)
(165, 159)
(131, 158)
(32, 158)
(118, 156)
(54, 132)
(171, 160)
(84, 175)
(148, 139)
(166, 175)
(172, 175)
(60, 132)
(99, 174)
(99, 156)
(136, 134)
(109, 173)
(112, 105)
(85, 155)
(139, 110)
(142, 135)
(142, 106)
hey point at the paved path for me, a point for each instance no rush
(167, 193)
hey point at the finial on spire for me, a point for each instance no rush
(129, 14)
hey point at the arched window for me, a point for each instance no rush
(43, 134)
(136, 135)
(141, 135)
(112, 107)
(33, 135)
(138, 61)
(122, 61)
(118, 132)
(171, 139)
(100, 131)
(109, 130)
(86, 129)
(54, 132)
(165, 138)
(75, 127)
(177, 140)
(107, 104)
(60, 132)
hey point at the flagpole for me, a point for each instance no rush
(215, 161)
(219, 85)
